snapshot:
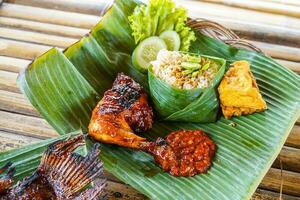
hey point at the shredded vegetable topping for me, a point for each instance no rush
(184, 71)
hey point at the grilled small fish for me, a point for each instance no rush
(6, 179)
(62, 174)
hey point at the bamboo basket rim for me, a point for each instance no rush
(209, 28)
(219, 32)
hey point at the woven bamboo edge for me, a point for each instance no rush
(219, 32)
(211, 29)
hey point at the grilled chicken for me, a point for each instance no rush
(122, 112)
(62, 174)
(182, 153)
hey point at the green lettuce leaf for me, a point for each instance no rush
(159, 16)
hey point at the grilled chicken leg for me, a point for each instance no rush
(123, 110)
(182, 153)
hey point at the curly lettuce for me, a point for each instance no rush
(159, 16)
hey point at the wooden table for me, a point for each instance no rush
(30, 27)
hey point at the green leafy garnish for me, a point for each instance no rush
(159, 16)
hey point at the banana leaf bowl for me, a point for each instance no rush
(65, 86)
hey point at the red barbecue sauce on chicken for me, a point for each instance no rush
(183, 153)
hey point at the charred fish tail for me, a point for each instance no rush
(6, 180)
(69, 172)
(96, 192)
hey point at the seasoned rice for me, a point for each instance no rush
(168, 67)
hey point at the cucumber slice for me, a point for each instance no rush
(172, 40)
(146, 52)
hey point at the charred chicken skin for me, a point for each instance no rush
(123, 110)
(62, 174)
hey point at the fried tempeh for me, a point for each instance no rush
(239, 93)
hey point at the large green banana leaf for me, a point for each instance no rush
(26, 159)
(64, 87)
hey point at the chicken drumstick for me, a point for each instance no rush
(124, 111)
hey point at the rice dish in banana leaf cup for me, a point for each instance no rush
(183, 86)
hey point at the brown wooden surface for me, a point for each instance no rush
(30, 27)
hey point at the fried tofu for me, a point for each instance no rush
(239, 93)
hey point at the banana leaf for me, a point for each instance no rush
(194, 105)
(64, 87)
(27, 158)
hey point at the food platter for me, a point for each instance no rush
(245, 151)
